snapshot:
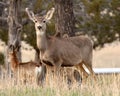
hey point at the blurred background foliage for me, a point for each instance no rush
(100, 19)
(1, 58)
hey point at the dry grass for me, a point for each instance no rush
(108, 57)
(106, 85)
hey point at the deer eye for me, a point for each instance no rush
(35, 21)
(44, 21)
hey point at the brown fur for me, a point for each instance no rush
(57, 52)
(69, 53)
(86, 47)
(24, 71)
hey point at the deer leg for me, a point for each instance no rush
(77, 76)
(15, 79)
(57, 70)
(70, 76)
(57, 67)
(41, 74)
(83, 73)
(89, 66)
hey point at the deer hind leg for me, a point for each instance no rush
(89, 66)
(83, 73)
(70, 76)
(77, 76)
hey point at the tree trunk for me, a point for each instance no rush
(64, 17)
(14, 22)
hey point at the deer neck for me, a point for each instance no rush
(14, 61)
(42, 40)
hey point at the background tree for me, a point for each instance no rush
(64, 17)
(14, 23)
(3, 21)
(98, 18)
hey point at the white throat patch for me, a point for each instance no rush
(38, 32)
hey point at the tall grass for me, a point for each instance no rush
(105, 85)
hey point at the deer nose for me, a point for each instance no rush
(39, 27)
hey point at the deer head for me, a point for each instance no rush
(14, 47)
(40, 22)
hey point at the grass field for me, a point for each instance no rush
(105, 85)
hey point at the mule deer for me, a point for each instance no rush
(65, 52)
(25, 70)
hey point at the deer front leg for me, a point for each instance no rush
(57, 67)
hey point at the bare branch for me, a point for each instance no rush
(4, 4)
(3, 19)
(3, 22)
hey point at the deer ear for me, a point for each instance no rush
(10, 46)
(17, 48)
(31, 15)
(49, 14)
